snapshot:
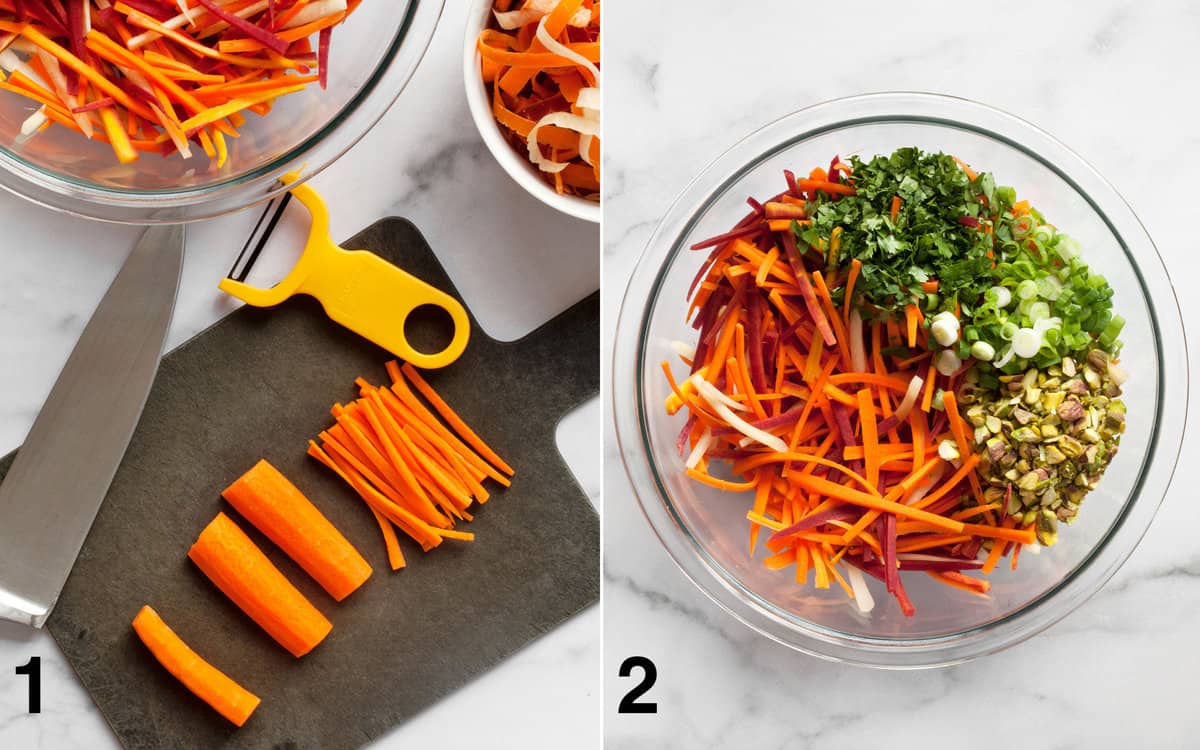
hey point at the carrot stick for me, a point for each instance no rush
(848, 300)
(833, 188)
(912, 316)
(395, 556)
(454, 420)
(243, 573)
(857, 497)
(959, 429)
(870, 435)
(208, 683)
(409, 523)
(275, 507)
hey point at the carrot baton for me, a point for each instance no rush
(208, 683)
(268, 500)
(243, 573)
(448, 414)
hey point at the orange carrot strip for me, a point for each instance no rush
(959, 430)
(870, 435)
(454, 420)
(208, 683)
(967, 467)
(409, 523)
(851, 279)
(866, 500)
(1020, 536)
(420, 507)
(912, 315)
(959, 584)
(243, 573)
(403, 404)
(391, 543)
(833, 188)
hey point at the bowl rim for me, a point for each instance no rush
(519, 169)
(124, 205)
(629, 359)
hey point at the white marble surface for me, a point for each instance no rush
(685, 80)
(516, 262)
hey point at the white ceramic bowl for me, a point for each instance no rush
(518, 167)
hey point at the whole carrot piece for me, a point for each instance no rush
(243, 573)
(210, 684)
(266, 498)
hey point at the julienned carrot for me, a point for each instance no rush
(96, 56)
(208, 683)
(395, 556)
(275, 507)
(415, 472)
(243, 573)
(833, 188)
(464, 431)
(839, 445)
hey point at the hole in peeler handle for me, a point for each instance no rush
(429, 329)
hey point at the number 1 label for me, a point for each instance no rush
(33, 670)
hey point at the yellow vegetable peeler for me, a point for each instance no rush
(357, 288)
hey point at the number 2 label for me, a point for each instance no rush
(629, 704)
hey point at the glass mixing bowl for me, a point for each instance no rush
(373, 55)
(705, 529)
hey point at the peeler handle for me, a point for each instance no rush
(374, 298)
(359, 290)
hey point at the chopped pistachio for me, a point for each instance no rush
(1046, 437)
(1029, 434)
(948, 450)
(1047, 527)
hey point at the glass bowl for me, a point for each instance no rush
(373, 55)
(705, 530)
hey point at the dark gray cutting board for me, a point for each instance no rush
(259, 384)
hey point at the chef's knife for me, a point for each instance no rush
(63, 471)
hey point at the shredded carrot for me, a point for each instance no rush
(415, 471)
(834, 473)
(242, 55)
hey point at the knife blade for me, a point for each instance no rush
(63, 471)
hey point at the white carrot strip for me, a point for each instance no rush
(59, 80)
(711, 393)
(862, 594)
(698, 452)
(910, 397)
(685, 350)
(176, 22)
